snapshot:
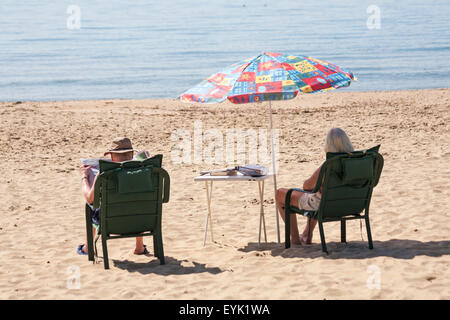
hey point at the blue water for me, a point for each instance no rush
(154, 49)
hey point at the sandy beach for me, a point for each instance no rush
(42, 216)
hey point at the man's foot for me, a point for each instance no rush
(142, 250)
(82, 250)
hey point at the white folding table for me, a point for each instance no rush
(208, 179)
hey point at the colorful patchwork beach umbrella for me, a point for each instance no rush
(269, 76)
(266, 77)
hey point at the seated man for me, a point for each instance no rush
(121, 150)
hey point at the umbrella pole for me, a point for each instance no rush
(274, 170)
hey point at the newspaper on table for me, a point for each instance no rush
(220, 172)
(253, 170)
(95, 167)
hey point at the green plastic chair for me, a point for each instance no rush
(130, 195)
(347, 181)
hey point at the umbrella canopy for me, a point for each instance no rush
(269, 76)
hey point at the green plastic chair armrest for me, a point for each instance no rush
(287, 199)
(289, 207)
(302, 190)
(166, 182)
(166, 178)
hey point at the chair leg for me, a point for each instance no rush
(90, 245)
(322, 237)
(155, 246)
(287, 228)
(343, 231)
(369, 234)
(89, 235)
(160, 249)
(105, 253)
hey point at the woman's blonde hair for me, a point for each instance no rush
(338, 141)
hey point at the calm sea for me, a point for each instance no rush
(153, 49)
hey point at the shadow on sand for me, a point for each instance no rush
(172, 266)
(394, 248)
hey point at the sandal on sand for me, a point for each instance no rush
(144, 252)
(80, 250)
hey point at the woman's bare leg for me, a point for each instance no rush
(308, 232)
(280, 198)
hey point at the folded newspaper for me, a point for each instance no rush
(142, 155)
(253, 170)
(95, 167)
(220, 172)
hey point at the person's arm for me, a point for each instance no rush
(310, 183)
(88, 190)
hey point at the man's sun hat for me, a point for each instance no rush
(120, 145)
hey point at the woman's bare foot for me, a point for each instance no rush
(305, 239)
(296, 241)
(307, 234)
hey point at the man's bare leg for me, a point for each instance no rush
(85, 247)
(139, 245)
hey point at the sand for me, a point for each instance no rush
(42, 212)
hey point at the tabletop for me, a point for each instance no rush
(238, 177)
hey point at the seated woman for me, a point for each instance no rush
(336, 141)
